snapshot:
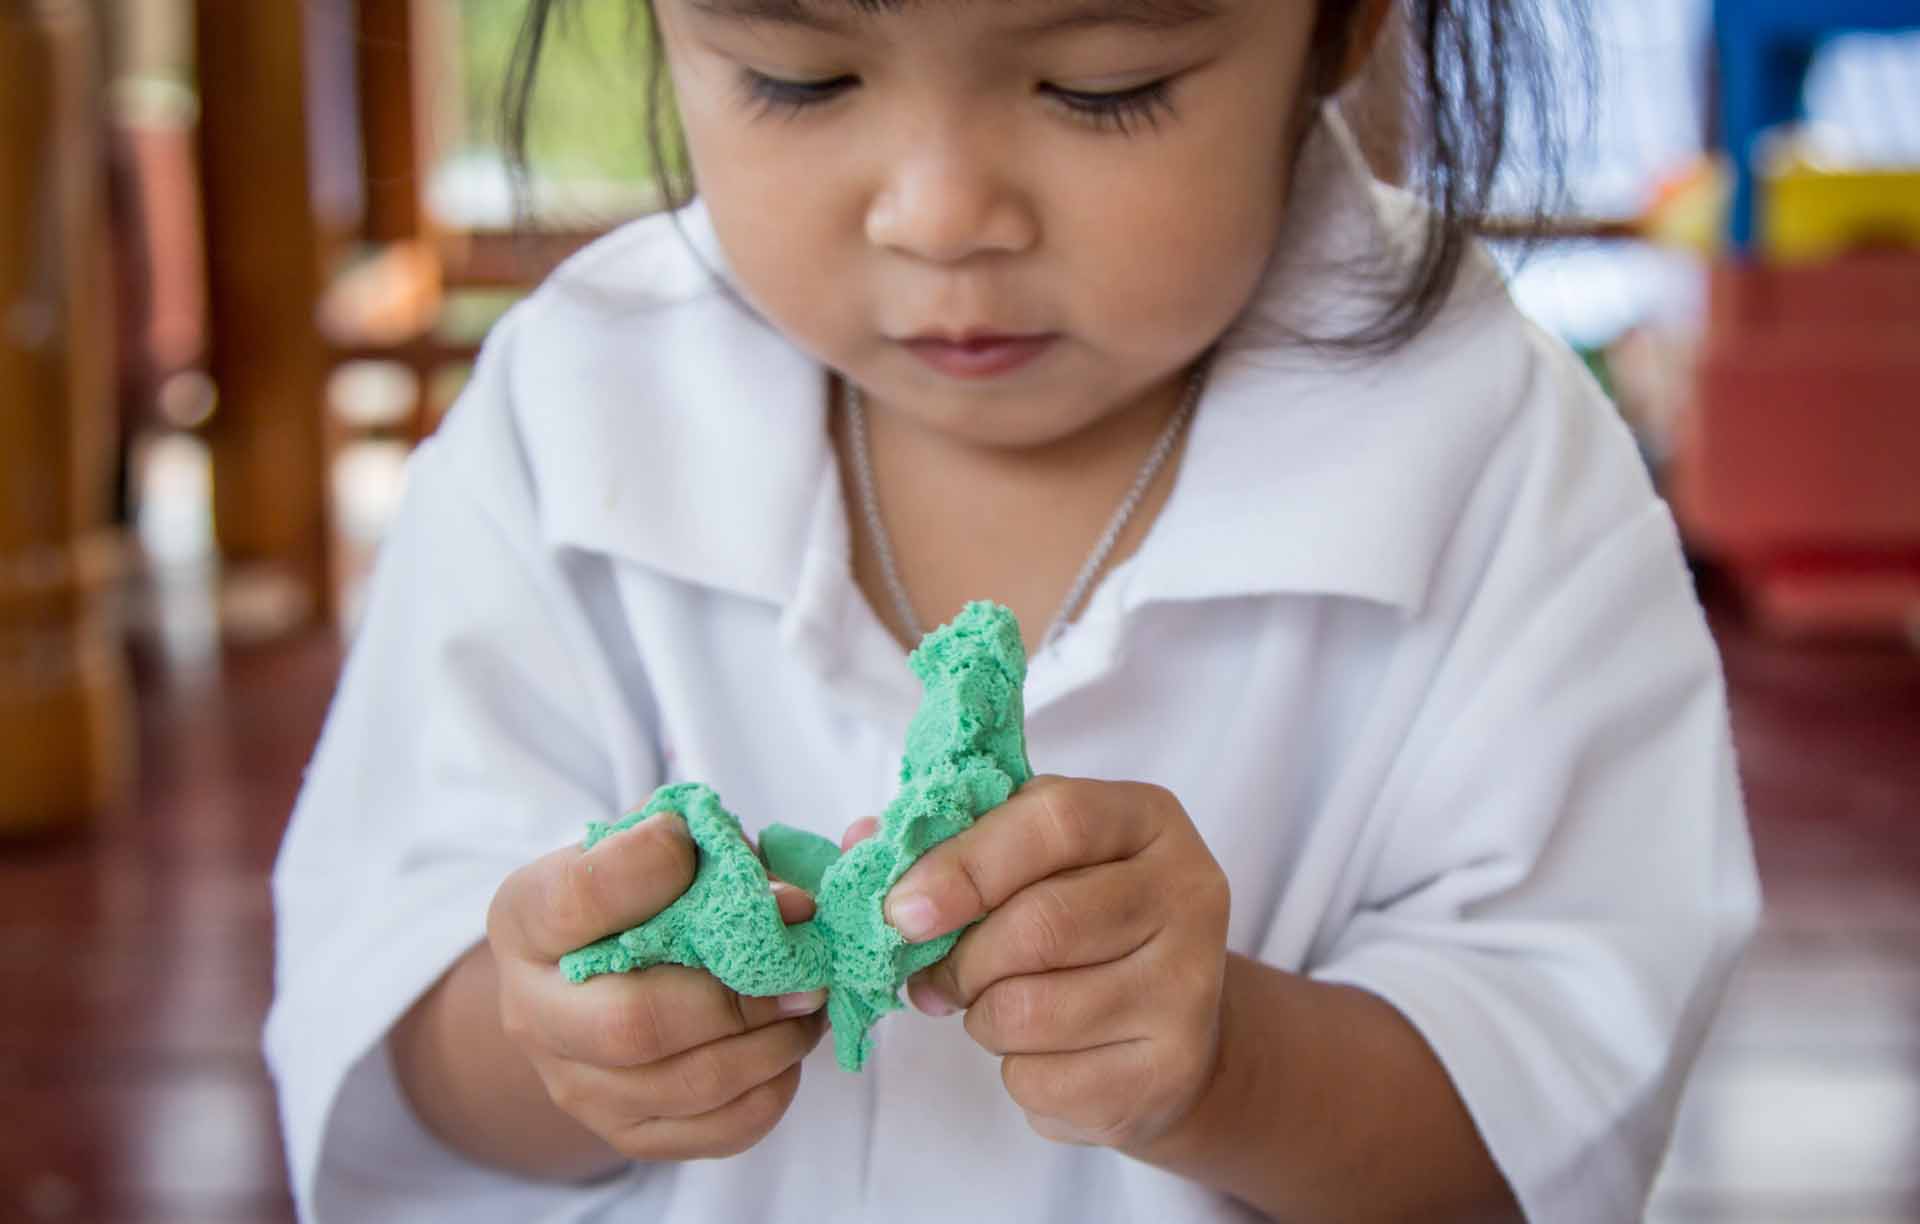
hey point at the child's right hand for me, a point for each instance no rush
(663, 1064)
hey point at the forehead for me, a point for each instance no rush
(1027, 16)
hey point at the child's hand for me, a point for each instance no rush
(664, 1064)
(1098, 968)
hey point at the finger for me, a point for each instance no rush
(568, 899)
(727, 1131)
(1050, 826)
(796, 904)
(1086, 1097)
(691, 1083)
(1086, 916)
(1054, 1013)
(620, 1020)
(857, 832)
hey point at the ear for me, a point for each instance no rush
(1368, 24)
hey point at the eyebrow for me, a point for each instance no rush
(1152, 15)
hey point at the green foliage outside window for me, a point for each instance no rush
(589, 120)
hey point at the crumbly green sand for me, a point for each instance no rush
(966, 753)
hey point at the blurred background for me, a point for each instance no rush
(248, 249)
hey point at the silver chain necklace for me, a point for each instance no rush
(882, 543)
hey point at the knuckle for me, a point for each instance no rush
(1069, 822)
(679, 857)
(798, 1036)
(699, 1080)
(1050, 927)
(1195, 1067)
(516, 1025)
(1182, 980)
(1140, 910)
(758, 1110)
(635, 1142)
(1102, 1113)
(1216, 893)
(1109, 1123)
(766, 1102)
(571, 898)
(1203, 897)
(1030, 1086)
(1110, 1116)
(499, 908)
(738, 1012)
(507, 912)
(644, 1139)
(1009, 1012)
(567, 1094)
(1158, 797)
(632, 1034)
(969, 876)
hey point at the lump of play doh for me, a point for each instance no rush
(726, 922)
(966, 754)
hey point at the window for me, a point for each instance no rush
(588, 170)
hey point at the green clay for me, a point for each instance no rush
(966, 754)
(796, 856)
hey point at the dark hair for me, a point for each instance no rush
(1461, 90)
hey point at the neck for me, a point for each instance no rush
(1010, 524)
(1116, 442)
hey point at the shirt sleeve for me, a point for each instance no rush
(474, 729)
(1565, 879)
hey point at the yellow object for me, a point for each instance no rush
(1807, 213)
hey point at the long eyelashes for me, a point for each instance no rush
(778, 97)
(1122, 111)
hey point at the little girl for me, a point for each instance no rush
(1389, 858)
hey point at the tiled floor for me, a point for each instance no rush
(1806, 1104)
(135, 963)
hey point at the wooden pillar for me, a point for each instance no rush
(65, 701)
(265, 353)
(390, 121)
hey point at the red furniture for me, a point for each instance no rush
(1798, 462)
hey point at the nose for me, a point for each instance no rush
(949, 199)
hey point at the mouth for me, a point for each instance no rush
(977, 354)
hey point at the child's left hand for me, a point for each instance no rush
(1098, 968)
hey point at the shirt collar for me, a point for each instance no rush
(681, 432)
(677, 429)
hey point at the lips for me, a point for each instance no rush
(978, 354)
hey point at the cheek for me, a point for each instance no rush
(1177, 254)
(771, 211)
(781, 240)
(1181, 246)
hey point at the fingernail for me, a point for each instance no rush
(929, 1000)
(804, 1003)
(913, 916)
(660, 820)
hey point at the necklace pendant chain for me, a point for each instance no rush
(1089, 570)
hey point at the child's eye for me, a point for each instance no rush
(776, 95)
(1120, 110)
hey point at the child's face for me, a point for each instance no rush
(950, 169)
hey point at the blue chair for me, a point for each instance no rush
(1765, 48)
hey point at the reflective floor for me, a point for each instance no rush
(135, 962)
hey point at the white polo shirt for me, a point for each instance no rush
(1412, 641)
